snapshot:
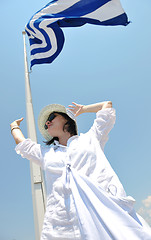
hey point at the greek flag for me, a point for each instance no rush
(44, 28)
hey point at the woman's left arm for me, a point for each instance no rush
(78, 109)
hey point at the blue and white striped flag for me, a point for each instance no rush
(44, 28)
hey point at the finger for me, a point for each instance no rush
(74, 103)
(20, 119)
(71, 106)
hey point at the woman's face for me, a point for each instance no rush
(55, 127)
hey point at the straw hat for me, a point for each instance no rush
(44, 114)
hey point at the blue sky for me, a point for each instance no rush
(96, 64)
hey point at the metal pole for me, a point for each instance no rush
(37, 183)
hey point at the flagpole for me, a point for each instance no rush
(37, 182)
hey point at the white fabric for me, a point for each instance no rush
(85, 199)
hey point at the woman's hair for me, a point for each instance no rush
(69, 126)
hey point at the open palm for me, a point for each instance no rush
(76, 108)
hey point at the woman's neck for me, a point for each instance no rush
(64, 138)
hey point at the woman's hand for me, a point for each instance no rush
(76, 108)
(16, 132)
(16, 122)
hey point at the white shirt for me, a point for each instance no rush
(69, 171)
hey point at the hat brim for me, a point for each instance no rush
(43, 116)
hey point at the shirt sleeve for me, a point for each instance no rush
(104, 122)
(30, 150)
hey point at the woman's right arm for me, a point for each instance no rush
(78, 109)
(16, 131)
(104, 121)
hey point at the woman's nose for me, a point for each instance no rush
(48, 123)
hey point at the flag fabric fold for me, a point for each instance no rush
(44, 28)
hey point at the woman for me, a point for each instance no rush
(85, 199)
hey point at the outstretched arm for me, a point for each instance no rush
(16, 131)
(78, 109)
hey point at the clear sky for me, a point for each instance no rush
(96, 64)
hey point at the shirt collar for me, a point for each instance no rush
(71, 139)
(57, 144)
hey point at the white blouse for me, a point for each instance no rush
(85, 199)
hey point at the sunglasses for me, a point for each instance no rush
(50, 118)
